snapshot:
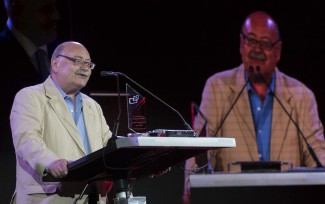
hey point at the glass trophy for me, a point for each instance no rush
(136, 110)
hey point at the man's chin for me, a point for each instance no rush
(82, 83)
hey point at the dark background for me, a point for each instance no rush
(171, 48)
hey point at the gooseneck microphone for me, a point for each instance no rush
(310, 149)
(251, 70)
(110, 73)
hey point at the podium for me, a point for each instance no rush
(130, 158)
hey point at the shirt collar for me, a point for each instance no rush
(78, 94)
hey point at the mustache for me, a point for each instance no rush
(83, 72)
(257, 55)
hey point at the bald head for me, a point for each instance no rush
(263, 21)
(65, 47)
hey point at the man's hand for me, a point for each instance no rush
(59, 168)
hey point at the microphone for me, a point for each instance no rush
(310, 149)
(109, 73)
(251, 71)
(117, 121)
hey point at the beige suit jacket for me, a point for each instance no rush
(44, 131)
(287, 145)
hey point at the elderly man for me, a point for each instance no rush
(52, 124)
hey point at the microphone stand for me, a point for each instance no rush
(120, 185)
(107, 73)
(117, 121)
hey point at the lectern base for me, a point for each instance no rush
(131, 200)
(124, 196)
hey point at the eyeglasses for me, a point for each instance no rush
(264, 44)
(79, 62)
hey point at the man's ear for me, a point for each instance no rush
(54, 64)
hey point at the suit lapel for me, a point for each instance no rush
(60, 108)
(89, 117)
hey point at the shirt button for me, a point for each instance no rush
(258, 108)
